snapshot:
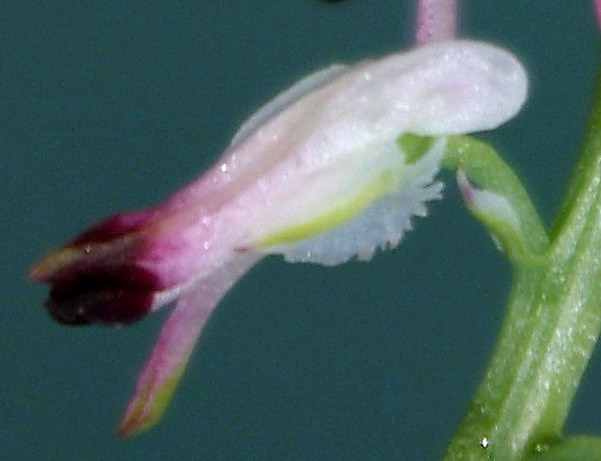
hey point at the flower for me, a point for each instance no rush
(316, 175)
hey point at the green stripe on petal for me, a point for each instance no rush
(365, 219)
(375, 189)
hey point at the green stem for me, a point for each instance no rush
(552, 324)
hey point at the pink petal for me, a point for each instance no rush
(179, 334)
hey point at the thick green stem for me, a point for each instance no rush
(552, 324)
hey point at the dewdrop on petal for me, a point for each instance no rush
(316, 175)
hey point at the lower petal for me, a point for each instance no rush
(159, 377)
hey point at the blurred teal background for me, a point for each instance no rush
(106, 106)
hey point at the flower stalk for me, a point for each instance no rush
(436, 21)
(552, 324)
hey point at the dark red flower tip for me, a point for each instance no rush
(94, 294)
(86, 306)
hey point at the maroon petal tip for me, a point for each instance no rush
(109, 307)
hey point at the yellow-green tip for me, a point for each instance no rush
(147, 407)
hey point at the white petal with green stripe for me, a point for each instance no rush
(373, 209)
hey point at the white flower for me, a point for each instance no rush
(315, 175)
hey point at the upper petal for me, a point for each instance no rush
(440, 89)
